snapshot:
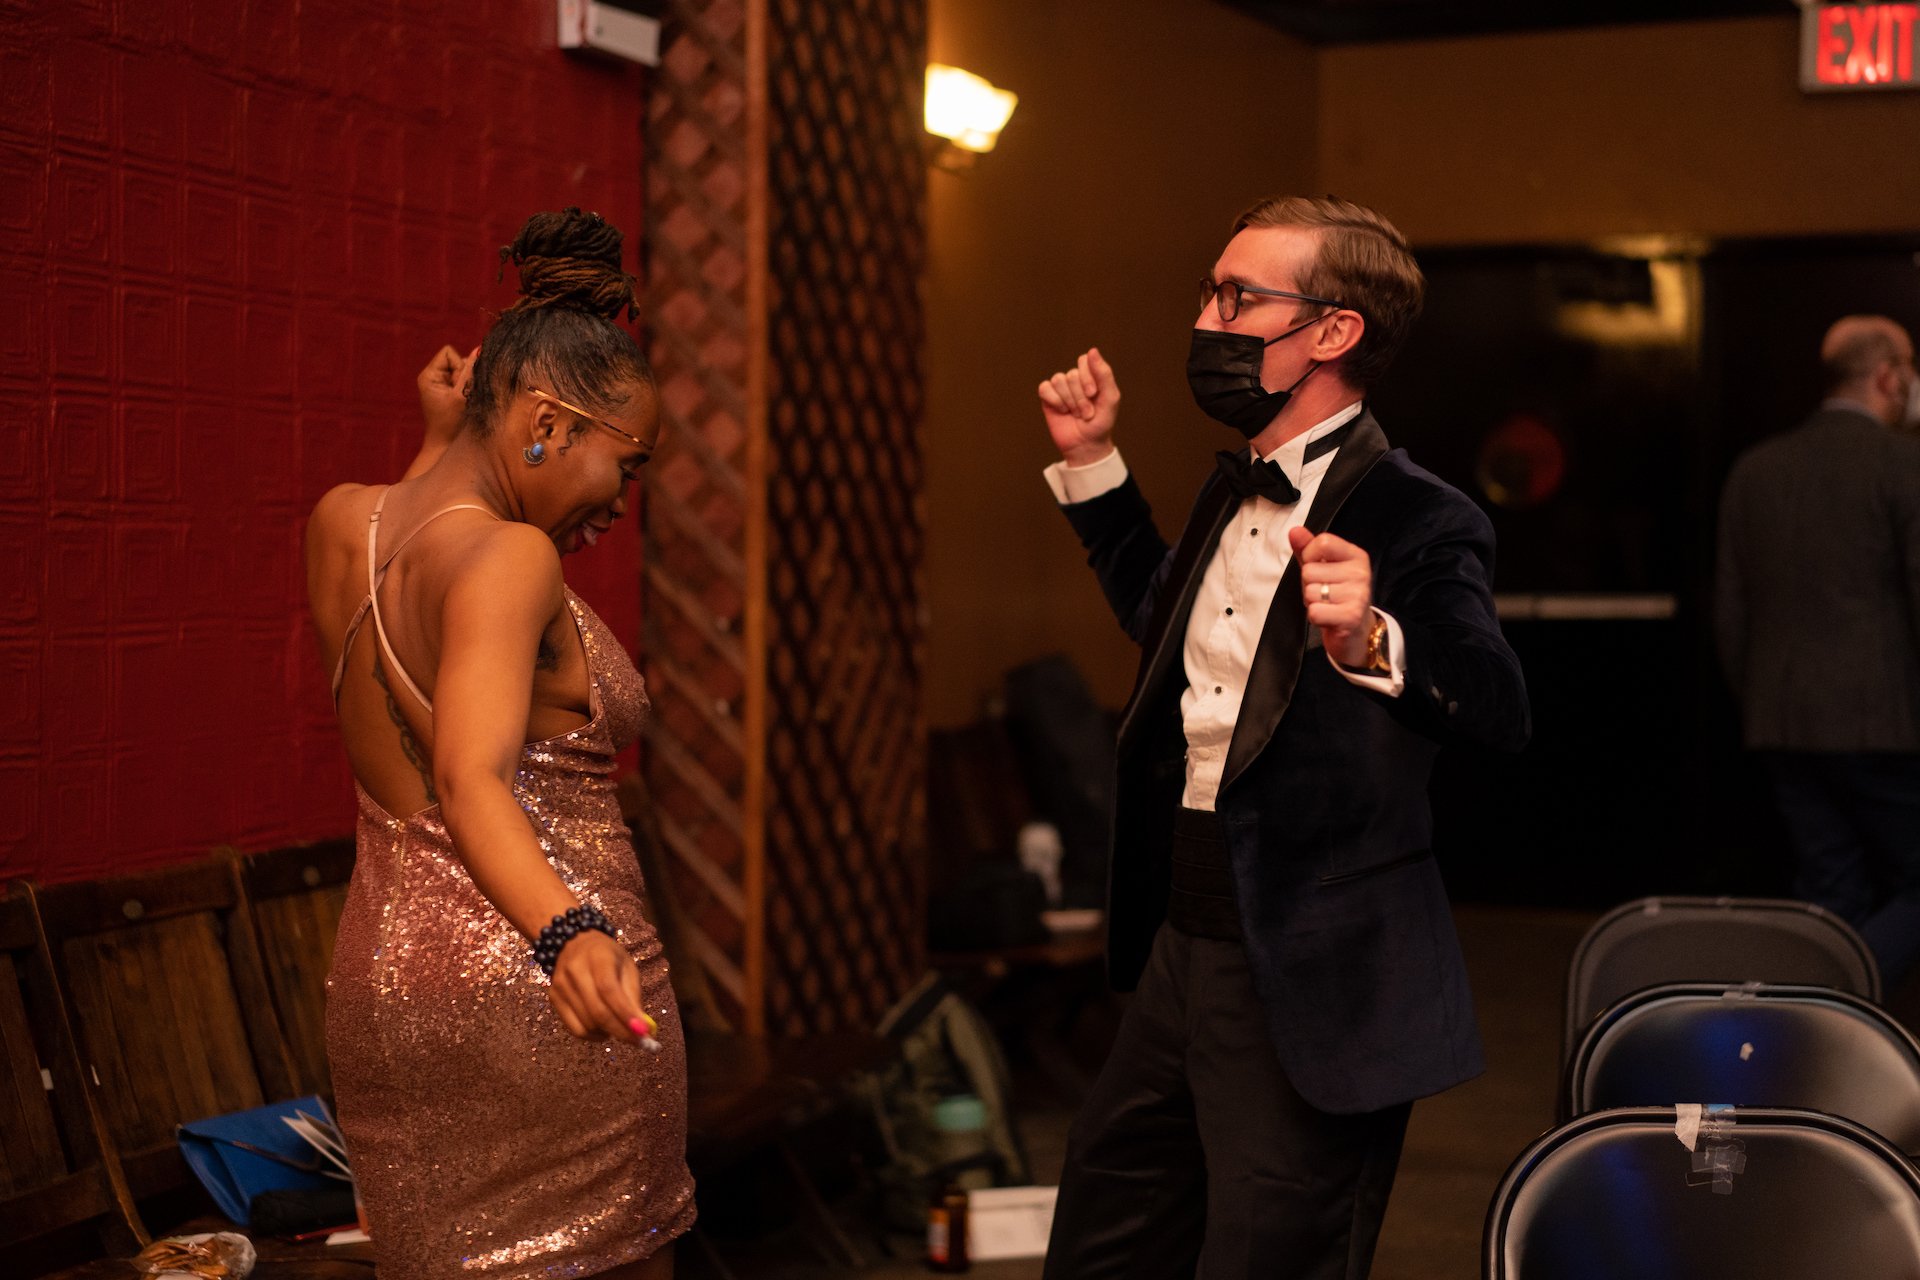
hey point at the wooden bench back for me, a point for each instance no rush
(56, 1169)
(170, 1005)
(294, 898)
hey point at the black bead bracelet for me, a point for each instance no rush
(567, 926)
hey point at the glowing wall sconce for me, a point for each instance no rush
(965, 110)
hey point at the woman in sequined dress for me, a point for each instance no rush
(502, 1124)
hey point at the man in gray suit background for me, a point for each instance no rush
(1817, 614)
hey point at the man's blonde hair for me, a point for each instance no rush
(1362, 262)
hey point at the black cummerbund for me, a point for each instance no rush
(1202, 902)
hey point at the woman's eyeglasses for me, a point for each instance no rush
(572, 408)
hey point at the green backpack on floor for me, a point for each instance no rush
(946, 1050)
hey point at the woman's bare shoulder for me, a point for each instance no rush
(503, 552)
(504, 579)
(340, 506)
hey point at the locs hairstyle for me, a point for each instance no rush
(562, 333)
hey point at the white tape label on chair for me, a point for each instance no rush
(1687, 1126)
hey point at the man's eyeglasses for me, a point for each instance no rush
(572, 408)
(1225, 296)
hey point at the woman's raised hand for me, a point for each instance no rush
(443, 404)
(443, 393)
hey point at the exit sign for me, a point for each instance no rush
(1859, 46)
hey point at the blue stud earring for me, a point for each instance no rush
(535, 453)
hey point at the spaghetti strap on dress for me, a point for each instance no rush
(486, 1140)
(376, 576)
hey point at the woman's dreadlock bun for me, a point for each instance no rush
(570, 260)
(562, 334)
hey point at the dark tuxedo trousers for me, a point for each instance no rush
(1346, 996)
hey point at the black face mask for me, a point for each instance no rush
(1223, 371)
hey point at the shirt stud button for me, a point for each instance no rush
(1229, 611)
(1216, 688)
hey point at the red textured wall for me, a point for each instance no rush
(231, 231)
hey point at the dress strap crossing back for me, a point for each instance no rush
(376, 574)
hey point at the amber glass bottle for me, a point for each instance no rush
(947, 1229)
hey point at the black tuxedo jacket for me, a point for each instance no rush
(1324, 794)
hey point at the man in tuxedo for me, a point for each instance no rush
(1322, 626)
(1817, 611)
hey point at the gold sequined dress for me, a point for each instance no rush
(485, 1139)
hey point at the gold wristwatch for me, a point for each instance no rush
(1377, 659)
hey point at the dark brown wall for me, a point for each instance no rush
(1678, 127)
(1113, 186)
(1109, 195)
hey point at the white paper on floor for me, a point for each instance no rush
(1009, 1222)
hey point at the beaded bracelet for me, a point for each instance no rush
(567, 926)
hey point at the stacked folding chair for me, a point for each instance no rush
(1735, 1103)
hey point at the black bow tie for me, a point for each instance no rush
(1249, 479)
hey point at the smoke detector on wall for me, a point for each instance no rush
(627, 29)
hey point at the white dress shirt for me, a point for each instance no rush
(1230, 609)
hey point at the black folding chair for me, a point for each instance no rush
(1752, 1046)
(1658, 940)
(1761, 1195)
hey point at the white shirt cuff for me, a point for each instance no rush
(1084, 484)
(1391, 682)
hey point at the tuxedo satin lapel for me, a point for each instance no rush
(1283, 641)
(1212, 511)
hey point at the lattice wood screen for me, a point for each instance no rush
(783, 643)
(847, 188)
(700, 662)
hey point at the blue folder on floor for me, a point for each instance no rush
(239, 1155)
